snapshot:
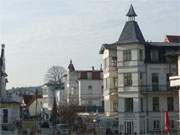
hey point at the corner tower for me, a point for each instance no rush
(131, 32)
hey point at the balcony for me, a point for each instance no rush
(156, 89)
(175, 81)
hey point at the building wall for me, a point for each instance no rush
(90, 92)
(72, 87)
(110, 82)
(13, 112)
(140, 91)
(36, 107)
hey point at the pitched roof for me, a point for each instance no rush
(131, 33)
(131, 12)
(172, 39)
(107, 46)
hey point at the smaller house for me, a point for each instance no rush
(9, 111)
(31, 105)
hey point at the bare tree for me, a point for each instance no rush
(54, 75)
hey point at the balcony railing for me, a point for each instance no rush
(156, 88)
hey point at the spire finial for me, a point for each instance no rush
(131, 13)
(70, 61)
(3, 46)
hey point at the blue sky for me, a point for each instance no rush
(42, 33)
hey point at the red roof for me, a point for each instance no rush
(90, 75)
(172, 39)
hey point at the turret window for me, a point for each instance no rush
(127, 55)
(141, 54)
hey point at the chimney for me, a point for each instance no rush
(92, 68)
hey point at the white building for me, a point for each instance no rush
(143, 74)
(49, 92)
(175, 80)
(84, 87)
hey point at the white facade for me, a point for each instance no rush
(175, 82)
(110, 82)
(72, 87)
(84, 87)
(49, 93)
(90, 92)
(143, 74)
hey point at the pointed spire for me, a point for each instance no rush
(131, 12)
(131, 32)
(2, 59)
(2, 50)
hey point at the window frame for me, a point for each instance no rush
(127, 79)
(128, 105)
(127, 55)
(155, 105)
(170, 103)
(156, 124)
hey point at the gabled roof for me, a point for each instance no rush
(172, 39)
(131, 33)
(131, 12)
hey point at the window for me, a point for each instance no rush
(5, 116)
(156, 124)
(115, 81)
(114, 61)
(155, 104)
(89, 87)
(129, 127)
(127, 79)
(141, 54)
(128, 105)
(171, 123)
(170, 103)
(115, 106)
(140, 75)
(155, 82)
(89, 75)
(154, 55)
(126, 55)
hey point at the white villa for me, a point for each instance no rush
(136, 81)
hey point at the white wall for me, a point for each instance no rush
(95, 95)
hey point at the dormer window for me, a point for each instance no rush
(154, 55)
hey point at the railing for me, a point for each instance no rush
(156, 88)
